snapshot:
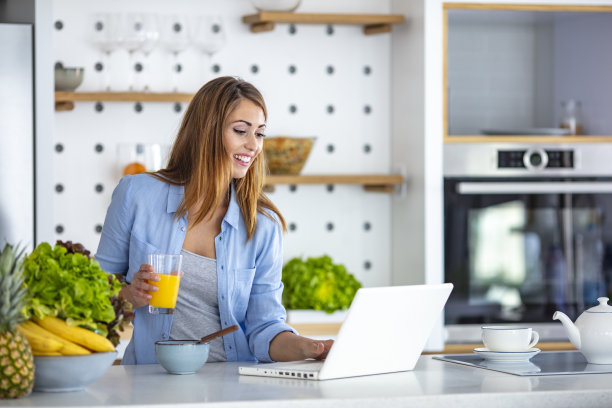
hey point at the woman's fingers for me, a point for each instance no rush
(317, 349)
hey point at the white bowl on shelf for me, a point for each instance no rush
(276, 5)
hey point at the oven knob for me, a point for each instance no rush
(535, 159)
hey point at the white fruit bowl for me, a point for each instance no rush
(70, 373)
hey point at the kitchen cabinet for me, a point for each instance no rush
(372, 23)
(508, 69)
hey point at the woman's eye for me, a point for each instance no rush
(261, 135)
(240, 132)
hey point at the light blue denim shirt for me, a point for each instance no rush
(140, 220)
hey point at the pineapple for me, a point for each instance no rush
(16, 361)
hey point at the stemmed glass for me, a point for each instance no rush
(106, 35)
(208, 34)
(151, 39)
(175, 38)
(133, 39)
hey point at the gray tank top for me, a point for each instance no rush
(197, 307)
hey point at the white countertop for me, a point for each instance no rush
(432, 383)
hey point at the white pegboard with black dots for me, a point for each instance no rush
(330, 82)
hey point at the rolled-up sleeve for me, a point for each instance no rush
(266, 316)
(113, 249)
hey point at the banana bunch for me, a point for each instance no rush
(52, 336)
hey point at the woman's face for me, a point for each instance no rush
(243, 136)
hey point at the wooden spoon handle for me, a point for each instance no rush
(219, 333)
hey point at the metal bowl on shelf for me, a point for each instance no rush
(276, 5)
(68, 79)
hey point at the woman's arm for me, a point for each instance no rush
(287, 346)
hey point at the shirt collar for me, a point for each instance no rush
(176, 194)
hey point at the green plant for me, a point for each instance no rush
(318, 284)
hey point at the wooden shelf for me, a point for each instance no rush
(528, 139)
(372, 23)
(381, 183)
(65, 100)
(469, 348)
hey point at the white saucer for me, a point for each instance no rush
(506, 356)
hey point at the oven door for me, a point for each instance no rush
(518, 249)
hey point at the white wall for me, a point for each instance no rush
(361, 234)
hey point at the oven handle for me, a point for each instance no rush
(534, 187)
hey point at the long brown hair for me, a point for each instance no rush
(199, 162)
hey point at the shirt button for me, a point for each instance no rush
(164, 335)
(230, 347)
(226, 323)
(183, 229)
(221, 267)
(222, 297)
(220, 238)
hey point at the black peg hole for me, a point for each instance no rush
(292, 69)
(293, 188)
(292, 226)
(99, 188)
(329, 226)
(367, 148)
(99, 148)
(292, 108)
(177, 27)
(329, 29)
(292, 29)
(330, 69)
(98, 66)
(99, 107)
(330, 109)
(59, 188)
(330, 188)
(367, 109)
(138, 67)
(367, 70)
(98, 228)
(59, 229)
(367, 226)
(254, 68)
(58, 25)
(178, 68)
(138, 107)
(367, 265)
(99, 26)
(59, 147)
(330, 148)
(177, 107)
(216, 68)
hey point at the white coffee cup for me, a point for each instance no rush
(505, 338)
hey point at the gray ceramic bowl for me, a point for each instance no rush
(70, 373)
(181, 356)
(68, 79)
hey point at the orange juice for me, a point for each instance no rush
(168, 291)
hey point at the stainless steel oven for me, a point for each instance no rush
(527, 231)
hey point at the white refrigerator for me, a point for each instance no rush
(17, 183)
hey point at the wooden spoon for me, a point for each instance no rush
(216, 334)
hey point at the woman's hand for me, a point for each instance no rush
(137, 292)
(287, 346)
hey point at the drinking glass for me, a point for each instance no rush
(169, 269)
(106, 36)
(175, 38)
(133, 35)
(151, 40)
(208, 35)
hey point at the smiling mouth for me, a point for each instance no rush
(242, 158)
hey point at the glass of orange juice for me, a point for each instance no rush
(169, 269)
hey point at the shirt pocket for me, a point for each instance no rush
(242, 291)
(139, 249)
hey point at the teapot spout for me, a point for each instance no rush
(572, 331)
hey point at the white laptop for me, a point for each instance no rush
(385, 331)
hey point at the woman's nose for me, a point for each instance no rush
(251, 142)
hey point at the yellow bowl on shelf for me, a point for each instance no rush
(287, 155)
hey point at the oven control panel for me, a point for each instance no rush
(535, 159)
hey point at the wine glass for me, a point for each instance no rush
(175, 38)
(208, 34)
(151, 40)
(133, 35)
(106, 36)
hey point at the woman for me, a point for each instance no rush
(208, 205)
